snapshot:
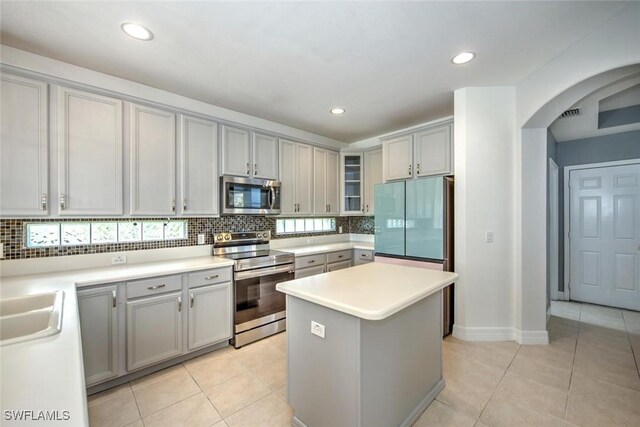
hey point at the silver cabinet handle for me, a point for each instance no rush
(363, 255)
(367, 208)
(418, 169)
(43, 201)
(184, 204)
(62, 202)
(211, 277)
(114, 302)
(248, 171)
(173, 205)
(179, 303)
(409, 170)
(340, 256)
(311, 262)
(191, 300)
(255, 169)
(153, 288)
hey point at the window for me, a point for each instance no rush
(305, 225)
(71, 233)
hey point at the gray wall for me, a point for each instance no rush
(608, 148)
(552, 153)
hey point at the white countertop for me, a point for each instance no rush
(47, 374)
(327, 247)
(372, 291)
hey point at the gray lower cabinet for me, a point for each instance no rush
(209, 315)
(98, 310)
(154, 330)
(311, 271)
(338, 265)
(362, 256)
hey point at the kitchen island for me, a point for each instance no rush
(364, 345)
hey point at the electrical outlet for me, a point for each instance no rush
(317, 329)
(488, 237)
(118, 260)
(201, 239)
(1, 250)
(340, 229)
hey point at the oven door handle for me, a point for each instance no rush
(269, 271)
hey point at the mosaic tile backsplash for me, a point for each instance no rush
(12, 234)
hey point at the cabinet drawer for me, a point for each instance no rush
(338, 265)
(363, 255)
(306, 272)
(154, 286)
(209, 277)
(338, 256)
(310, 261)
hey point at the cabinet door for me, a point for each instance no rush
(199, 147)
(98, 312)
(89, 152)
(397, 158)
(352, 179)
(320, 204)
(304, 181)
(333, 179)
(154, 330)
(153, 149)
(265, 156)
(209, 315)
(306, 272)
(235, 151)
(433, 151)
(372, 176)
(287, 177)
(24, 148)
(338, 265)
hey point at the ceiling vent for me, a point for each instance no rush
(570, 113)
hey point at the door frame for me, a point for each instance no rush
(554, 222)
(567, 216)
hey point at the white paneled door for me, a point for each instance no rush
(604, 236)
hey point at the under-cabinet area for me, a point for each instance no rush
(131, 325)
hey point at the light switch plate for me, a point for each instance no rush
(201, 239)
(118, 260)
(317, 329)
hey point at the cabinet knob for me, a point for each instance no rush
(191, 300)
(62, 202)
(255, 169)
(409, 170)
(418, 169)
(114, 301)
(43, 201)
(173, 205)
(248, 169)
(184, 205)
(179, 303)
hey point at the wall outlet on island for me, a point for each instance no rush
(118, 260)
(317, 329)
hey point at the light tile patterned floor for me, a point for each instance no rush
(587, 376)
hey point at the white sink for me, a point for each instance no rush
(29, 317)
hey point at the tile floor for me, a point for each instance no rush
(587, 376)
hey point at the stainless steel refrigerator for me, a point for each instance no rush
(414, 221)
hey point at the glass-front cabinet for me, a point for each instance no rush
(352, 177)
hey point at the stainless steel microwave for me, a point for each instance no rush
(249, 196)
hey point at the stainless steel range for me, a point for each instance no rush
(260, 310)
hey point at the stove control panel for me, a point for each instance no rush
(240, 237)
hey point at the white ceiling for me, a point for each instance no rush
(620, 94)
(387, 63)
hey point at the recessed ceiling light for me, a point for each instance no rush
(463, 58)
(337, 111)
(137, 31)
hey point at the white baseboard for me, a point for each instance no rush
(500, 334)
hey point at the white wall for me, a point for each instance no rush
(484, 198)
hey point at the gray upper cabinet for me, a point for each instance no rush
(154, 330)
(296, 175)
(425, 152)
(153, 168)
(236, 152)
(249, 154)
(432, 151)
(325, 182)
(199, 168)
(98, 310)
(372, 176)
(89, 154)
(24, 147)
(209, 315)
(265, 156)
